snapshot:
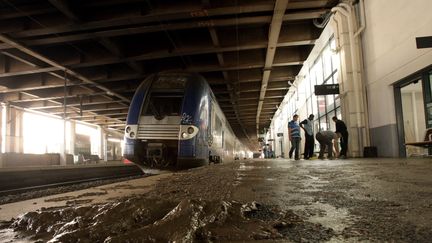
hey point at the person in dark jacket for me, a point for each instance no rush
(343, 131)
(307, 126)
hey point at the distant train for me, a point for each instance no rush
(174, 120)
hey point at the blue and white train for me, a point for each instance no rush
(175, 121)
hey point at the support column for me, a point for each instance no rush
(72, 137)
(1, 129)
(352, 94)
(14, 130)
(1, 136)
(102, 144)
(63, 152)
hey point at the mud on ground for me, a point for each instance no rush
(260, 200)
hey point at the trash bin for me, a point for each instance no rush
(370, 152)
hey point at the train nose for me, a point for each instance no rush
(155, 150)
(157, 154)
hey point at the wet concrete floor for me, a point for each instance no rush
(372, 200)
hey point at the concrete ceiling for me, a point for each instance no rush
(247, 51)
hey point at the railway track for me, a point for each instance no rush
(20, 181)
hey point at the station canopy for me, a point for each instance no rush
(92, 55)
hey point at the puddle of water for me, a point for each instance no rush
(246, 167)
(329, 216)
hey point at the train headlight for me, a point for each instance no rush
(128, 129)
(187, 132)
(132, 134)
(190, 130)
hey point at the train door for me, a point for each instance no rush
(212, 128)
(215, 134)
(218, 137)
(223, 139)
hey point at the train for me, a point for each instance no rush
(174, 120)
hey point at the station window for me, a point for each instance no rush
(46, 138)
(304, 101)
(326, 71)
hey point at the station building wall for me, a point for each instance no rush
(389, 55)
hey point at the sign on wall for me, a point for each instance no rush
(424, 42)
(327, 89)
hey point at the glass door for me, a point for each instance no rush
(413, 113)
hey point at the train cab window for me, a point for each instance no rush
(162, 104)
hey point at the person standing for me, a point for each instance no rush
(343, 131)
(307, 126)
(294, 137)
(328, 139)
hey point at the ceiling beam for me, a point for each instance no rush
(275, 27)
(165, 54)
(44, 59)
(72, 105)
(108, 115)
(34, 54)
(31, 71)
(166, 15)
(200, 69)
(19, 100)
(90, 110)
(64, 8)
(230, 88)
(166, 27)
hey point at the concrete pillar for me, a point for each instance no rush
(1, 136)
(1, 129)
(102, 144)
(63, 151)
(72, 137)
(352, 94)
(14, 130)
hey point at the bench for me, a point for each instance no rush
(84, 158)
(426, 143)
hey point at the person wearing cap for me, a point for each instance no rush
(307, 126)
(328, 139)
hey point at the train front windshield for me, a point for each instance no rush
(164, 104)
(165, 99)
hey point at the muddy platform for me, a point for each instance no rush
(371, 200)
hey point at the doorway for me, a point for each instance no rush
(413, 117)
(413, 101)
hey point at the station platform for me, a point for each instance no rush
(56, 167)
(352, 200)
(33, 177)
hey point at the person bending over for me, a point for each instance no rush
(329, 140)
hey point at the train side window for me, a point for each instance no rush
(223, 140)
